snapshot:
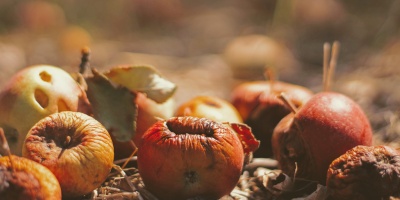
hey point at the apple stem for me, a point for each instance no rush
(133, 153)
(271, 76)
(287, 102)
(6, 148)
(327, 49)
(85, 52)
(329, 69)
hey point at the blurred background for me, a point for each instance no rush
(208, 47)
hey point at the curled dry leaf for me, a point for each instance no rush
(113, 106)
(365, 172)
(283, 187)
(249, 142)
(145, 79)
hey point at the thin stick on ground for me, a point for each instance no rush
(85, 60)
(6, 148)
(131, 156)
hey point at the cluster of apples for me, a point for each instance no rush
(45, 116)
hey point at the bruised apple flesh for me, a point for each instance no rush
(34, 93)
(23, 179)
(190, 157)
(75, 147)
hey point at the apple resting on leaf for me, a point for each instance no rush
(25, 179)
(261, 109)
(190, 157)
(34, 93)
(75, 147)
(307, 141)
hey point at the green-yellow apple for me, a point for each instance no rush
(34, 93)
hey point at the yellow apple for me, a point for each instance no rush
(75, 147)
(210, 107)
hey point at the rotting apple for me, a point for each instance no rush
(75, 147)
(22, 178)
(210, 107)
(307, 141)
(365, 172)
(34, 93)
(149, 112)
(190, 157)
(261, 109)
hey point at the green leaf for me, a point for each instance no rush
(113, 106)
(145, 79)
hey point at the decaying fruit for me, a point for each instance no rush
(365, 172)
(75, 147)
(34, 93)
(26, 179)
(190, 157)
(307, 141)
(261, 109)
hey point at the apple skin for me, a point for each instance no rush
(190, 157)
(327, 126)
(29, 180)
(149, 112)
(210, 107)
(34, 93)
(261, 109)
(75, 147)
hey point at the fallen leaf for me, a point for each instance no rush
(113, 106)
(145, 79)
(249, 142)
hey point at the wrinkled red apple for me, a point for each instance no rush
(210, 107)
(34, 93)
(190, 157)
(75, 147)
(149, 112)
(26, 179)
(328, 125)
(261, 109)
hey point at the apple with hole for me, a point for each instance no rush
(190, 157)
(22, 179)
(306, 141)
(258, 104)
(75, 147)
(34, 93)
(210, 107)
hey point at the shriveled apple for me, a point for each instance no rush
(190, 157)
(210, 107)
(22, 178)
(75, 147)
(34, 93)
